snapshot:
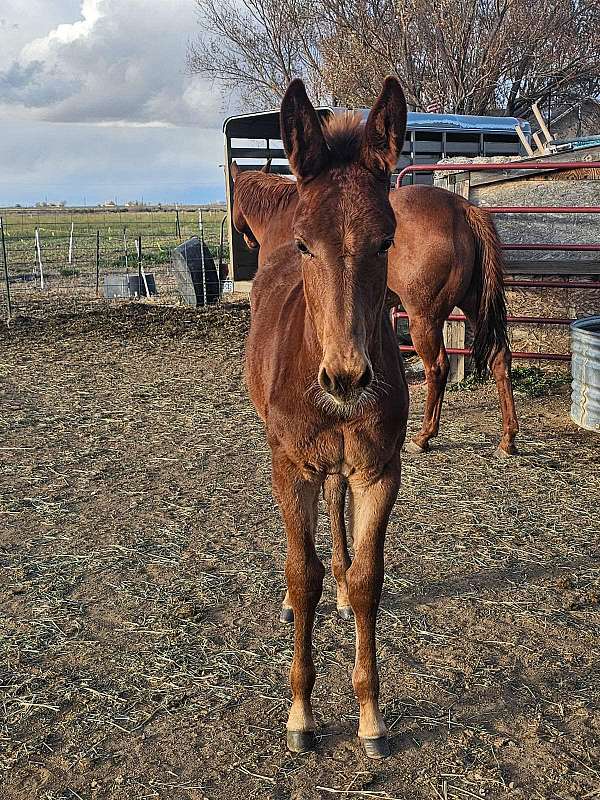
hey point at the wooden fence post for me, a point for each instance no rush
(455, 332)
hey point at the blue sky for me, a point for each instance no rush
(95, 104)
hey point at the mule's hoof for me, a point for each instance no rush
(413, 447)
(287, 615)
(376, 748)
(508, 453)
(345, 612)
(301, 741)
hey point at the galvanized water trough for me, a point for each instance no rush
(585, 369)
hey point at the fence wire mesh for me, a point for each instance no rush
(70, 254)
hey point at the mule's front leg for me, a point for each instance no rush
(373, 502)
(298, 499)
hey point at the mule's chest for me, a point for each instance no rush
(313, 450)
(333, 449)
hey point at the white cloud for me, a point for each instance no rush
(95, 101)
(66, 33)
(122, 60)
(17, 28)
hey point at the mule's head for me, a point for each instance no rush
(239, 216)
(343, 227)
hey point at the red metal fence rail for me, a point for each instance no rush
(512, 166)
(521, 283)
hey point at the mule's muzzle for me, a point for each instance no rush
(345, 386)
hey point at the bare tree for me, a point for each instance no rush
(256, 47)
(468, 56)
(464, 56)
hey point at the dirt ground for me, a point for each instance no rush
(142, 571)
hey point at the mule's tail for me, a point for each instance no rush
(491, 334)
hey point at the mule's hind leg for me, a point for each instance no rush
(429, 343)
(501, 364)
(500, 368)
(334, 491)
(286, 615)
(298, 499)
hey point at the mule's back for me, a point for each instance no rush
(431, 262)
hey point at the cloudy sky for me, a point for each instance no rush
(95, 103)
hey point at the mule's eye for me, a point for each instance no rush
(385, 246)
(302, 247)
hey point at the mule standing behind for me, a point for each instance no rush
(446, 254)
(324, 373)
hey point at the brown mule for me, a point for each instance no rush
(324, 373)
(446, 253)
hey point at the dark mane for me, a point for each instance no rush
(344, 135)
(262, 195)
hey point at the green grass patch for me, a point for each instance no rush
(527, 381)
(470, 383)
(536, 382)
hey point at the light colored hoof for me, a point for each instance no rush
(301, 741)
(501, 453)
(413, 447)
(286, 615)
(345, 612)
(376, 748)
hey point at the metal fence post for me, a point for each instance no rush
(6, 278)
(221, 251)
(71, 243)
(38, 251)
(125, 250)
(97, 263)
(139, 255)
(201, 226)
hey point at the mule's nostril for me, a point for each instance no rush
(325, 380)
(366, 378)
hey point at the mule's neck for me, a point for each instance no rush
(267, 201)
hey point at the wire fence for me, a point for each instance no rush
(85, 254)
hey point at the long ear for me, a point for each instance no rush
(301, 133)
(234, 171)
(385, 129)
(266, 167)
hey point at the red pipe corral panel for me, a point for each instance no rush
(459, 351)
(542, 209)
(529, 284)
(506, 167)
(517, 320)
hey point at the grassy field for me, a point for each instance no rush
(21, 223)
(118, 230)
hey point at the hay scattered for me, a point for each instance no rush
(142, 568)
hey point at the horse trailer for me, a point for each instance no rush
(251, 139)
